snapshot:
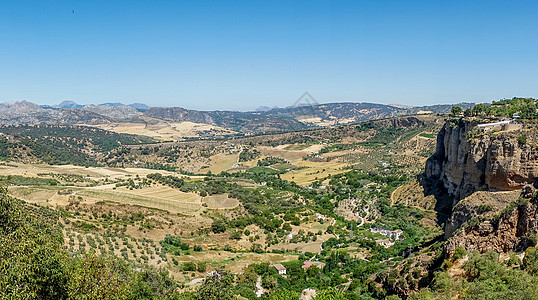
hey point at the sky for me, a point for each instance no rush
(238, 55)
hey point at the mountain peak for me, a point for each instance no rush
(68, 104)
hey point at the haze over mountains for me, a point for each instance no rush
(251, 122)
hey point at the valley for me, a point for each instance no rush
(372, 209)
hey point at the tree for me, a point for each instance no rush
(456, 110)
(201, 267)
(236, 235)
(32, 264)
(218, 226)
(479, 109)
(330, 294)
(152, 284)
(218, 286)
(285, 295)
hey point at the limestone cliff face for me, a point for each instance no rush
(473, 207)
(490, 161)
(513, 231)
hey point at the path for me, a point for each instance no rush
(259, 287)
(238, 157)
(362, 219)
(195, 281)
(392, 199)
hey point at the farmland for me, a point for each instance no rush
(193, 207)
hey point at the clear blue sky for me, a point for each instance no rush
(243, 54)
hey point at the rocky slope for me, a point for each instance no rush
(115, 112)
(480, 205)
(466, 161)
(513, 229)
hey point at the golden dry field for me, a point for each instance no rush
(164, 130)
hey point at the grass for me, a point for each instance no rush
(312, 170)
(220, 202)
(174, 204)
(232, 261)
(177, 206)
(428, 135)
(297, 147)
(264, 170)
(284, 167)
(165, 193)
(221, 162)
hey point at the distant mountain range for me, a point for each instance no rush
(262, 120)
(74, 105)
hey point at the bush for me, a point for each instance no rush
(513, 260)
(201, 267)
(218, 226)
(256, 248)
(530, 261)
(522, 139)
(189, 266)
(459, 252)
(483, 208)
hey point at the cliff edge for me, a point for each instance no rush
(469, 159)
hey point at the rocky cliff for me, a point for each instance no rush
(513, 229)
(467, 160)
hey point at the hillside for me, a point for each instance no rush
(140, 119)
(237, 205)
(61, 144)
(347, 210)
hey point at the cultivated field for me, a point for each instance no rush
(165, 131)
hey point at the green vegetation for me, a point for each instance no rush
(270, 160)
(83, 250)
(456, 110)
(483, 208)
(25, 181)
(428, 135)
(59, 144)
(102, 140)
(33, 264)
(485, 278)
(247, 155)
(525, 107)
(171, 181)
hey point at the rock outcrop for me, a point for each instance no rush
(118, 112)
(513, 230)
(480, 205)
(493, 161)
(401, 122)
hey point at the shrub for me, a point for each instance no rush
(256, 248)
(218, 226)
(483, 208)
(513, 260)
(522, 139)
(189, 266)
(459, 252)
(531, 260)
(201, 267)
